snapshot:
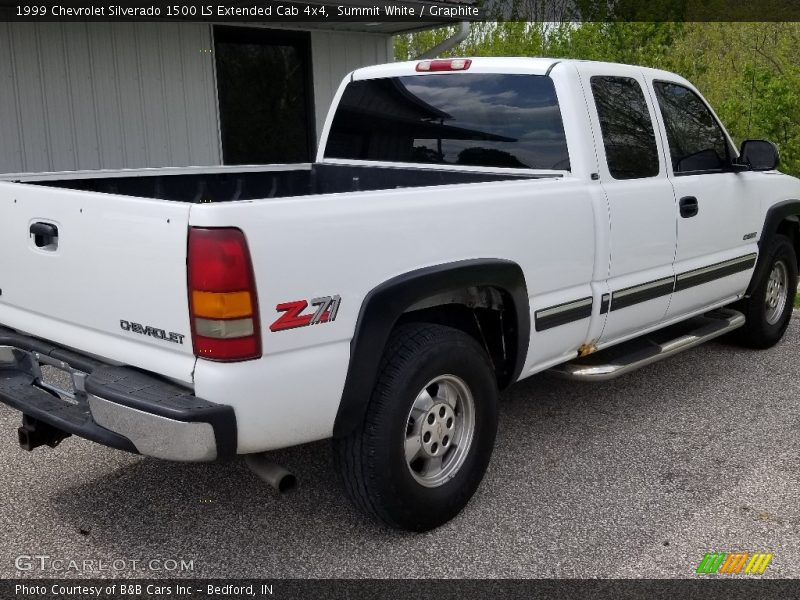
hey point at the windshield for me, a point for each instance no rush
(488, 120)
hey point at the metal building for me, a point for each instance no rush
(77, 96)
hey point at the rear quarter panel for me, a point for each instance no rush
(346, 245)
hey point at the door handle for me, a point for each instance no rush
(689, 206)
(44, 234)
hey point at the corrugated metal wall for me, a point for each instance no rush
(106, 96)
(334, 55)
(76, 96)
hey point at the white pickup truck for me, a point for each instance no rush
(467, 223)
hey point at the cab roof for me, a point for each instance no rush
(511, 64)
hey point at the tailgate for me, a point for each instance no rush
(100, 273)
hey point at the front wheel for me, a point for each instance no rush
(428, 432)
(768, 310)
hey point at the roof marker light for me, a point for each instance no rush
(455, 64)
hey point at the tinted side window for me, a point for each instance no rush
(696, 141)
(480, 119)
(628, 135)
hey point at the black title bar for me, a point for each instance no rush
(268, 11)
(422, 12)
(418, 589)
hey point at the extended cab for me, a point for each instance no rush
(467, 223)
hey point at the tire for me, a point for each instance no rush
(417, 494)
(768, 310)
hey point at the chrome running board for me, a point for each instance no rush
(658, 345)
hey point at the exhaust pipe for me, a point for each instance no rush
(275, 475)
(35, 433)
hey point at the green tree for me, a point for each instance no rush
(750, 73)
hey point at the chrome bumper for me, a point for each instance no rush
(156, 436)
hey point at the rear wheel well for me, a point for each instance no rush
(488, 287)
(482, 312)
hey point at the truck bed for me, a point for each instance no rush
(229, 184)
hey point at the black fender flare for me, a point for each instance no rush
(386, 303)
(775, 215)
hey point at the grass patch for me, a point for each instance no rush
(797, 301)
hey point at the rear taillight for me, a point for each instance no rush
(222, 296)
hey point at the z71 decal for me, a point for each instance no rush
(327, 308)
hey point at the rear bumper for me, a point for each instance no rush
(118, 407)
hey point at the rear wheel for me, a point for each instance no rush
(769, 308)
(428, 432)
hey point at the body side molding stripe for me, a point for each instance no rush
(642, 293)
(576, 310)
(561, 314)
(605, 302)
(716, 271)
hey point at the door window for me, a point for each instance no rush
(627, 128)
(696, 140)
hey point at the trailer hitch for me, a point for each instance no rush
(34, 433)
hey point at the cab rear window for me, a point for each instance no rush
(486, 120)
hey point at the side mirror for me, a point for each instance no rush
(761, 155)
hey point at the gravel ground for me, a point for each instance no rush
(633, 478)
